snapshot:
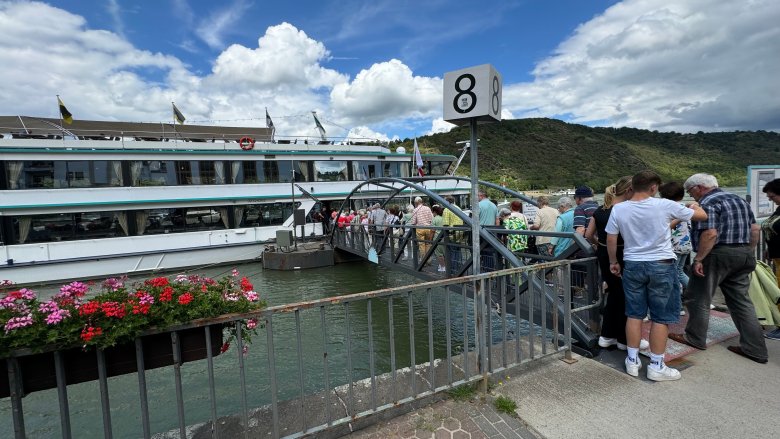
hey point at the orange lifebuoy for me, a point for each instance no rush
(246, 143)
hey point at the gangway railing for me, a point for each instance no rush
(414, 255)
(312, 366)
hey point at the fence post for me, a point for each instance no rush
(567, 355)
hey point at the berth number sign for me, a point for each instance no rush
(472, 93)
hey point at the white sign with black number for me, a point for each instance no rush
(472, 93)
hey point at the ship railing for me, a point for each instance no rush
(326, 364)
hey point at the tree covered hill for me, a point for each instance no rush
(549, 153)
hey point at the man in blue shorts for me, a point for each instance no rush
(650, 272)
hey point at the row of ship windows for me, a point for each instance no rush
(55, 227)
(107, 173)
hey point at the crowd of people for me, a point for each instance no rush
(659, 258)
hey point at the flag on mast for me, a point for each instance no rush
(319, 125)
(177, 115)
(268, 122)
(64, 113)
(418, 159)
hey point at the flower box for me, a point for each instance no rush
(112, 319)
(38, 372)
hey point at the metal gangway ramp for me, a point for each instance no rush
(402, 248)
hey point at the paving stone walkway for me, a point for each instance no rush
(449, 419)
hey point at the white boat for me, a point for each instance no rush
(564, 192)
(93, 199)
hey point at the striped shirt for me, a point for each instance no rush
(583, 212)
(727, 213)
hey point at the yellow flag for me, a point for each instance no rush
(64, 113)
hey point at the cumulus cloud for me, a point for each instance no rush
(685, 66)
(387, 90)
(363, 133)
(438, 125)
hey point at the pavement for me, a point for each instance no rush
(720, 395)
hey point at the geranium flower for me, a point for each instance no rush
(18, 322)
(185, 298)
(251, 296)
(251, 324)
(90, 332)
(57, 316)
(166, 295)
(113, 309)
(89, 308)
(157, 282)
(246, 285)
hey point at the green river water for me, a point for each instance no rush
(277, 288)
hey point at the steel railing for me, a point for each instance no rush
(324, 363)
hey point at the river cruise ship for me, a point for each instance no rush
(97, 198)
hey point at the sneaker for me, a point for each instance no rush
(607, 342)
(643, 344)
(712, 306)
(632, 368)
(666, 373)
(682, 312)
(773, 335)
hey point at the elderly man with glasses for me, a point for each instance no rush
(725, 256)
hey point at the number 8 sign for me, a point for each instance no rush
(474, 92)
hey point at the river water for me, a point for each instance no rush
(277, 288)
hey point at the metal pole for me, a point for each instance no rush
(479, 285)
(292, 192)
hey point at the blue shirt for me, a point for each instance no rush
(727, 213)
(583, 212)
(564, 223)
(488, 212)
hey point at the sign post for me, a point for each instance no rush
(473, 95)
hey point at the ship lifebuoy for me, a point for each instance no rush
(246, 143)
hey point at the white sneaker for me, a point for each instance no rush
(712, 306)
(682, 312)
(666, 373)
(607, 342)
(633, 368)
(643, 344)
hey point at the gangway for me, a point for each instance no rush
(408, 252)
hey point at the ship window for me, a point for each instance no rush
(265, 214)
(153, 173)
(177, 220)
(286, 168)
(63, 174)
(68, 226)
(439, 167)
(330, 170)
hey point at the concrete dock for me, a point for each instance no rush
(720, 395)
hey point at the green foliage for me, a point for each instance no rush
(505, 405)
(119, 314)
(548, 153)
(463, 393)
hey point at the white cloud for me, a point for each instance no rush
(213, 28)
(115, 11)
(685, 66)
(366, 133)
(438, 125)
(385, 91)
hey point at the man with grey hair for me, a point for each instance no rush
(564, 223)
(422, 217)
(546, 217)
(377, 221)
(725, 256)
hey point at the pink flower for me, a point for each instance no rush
(48, 307)
(114, 283)
(251, 296)
(251, 323)
(182, 278)
(72, 290)
(18, 322)
(234, 272)
(232, 296)
(57, 316)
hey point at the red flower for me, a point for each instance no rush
(166, 295)
(141, 308)
(204, 288)
(113, 309)
(157, 282)
(224, 348)
(185, 298)
(246, 285)
(89, 308)
(90, 332)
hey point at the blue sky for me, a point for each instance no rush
(375, 68)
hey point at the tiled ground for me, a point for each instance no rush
(449, 419)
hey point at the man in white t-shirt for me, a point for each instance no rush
(650, 272)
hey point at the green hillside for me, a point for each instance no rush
(549, 153)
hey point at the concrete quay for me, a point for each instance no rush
(720, 395)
